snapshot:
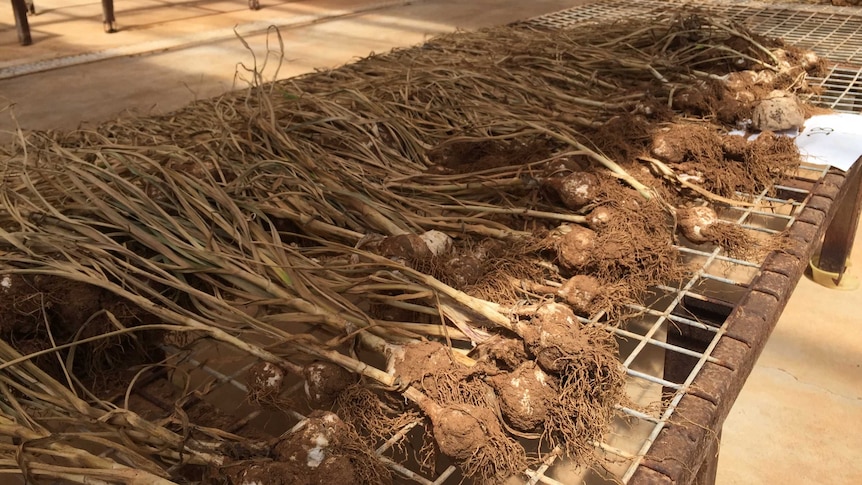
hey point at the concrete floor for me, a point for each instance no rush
(799, 418)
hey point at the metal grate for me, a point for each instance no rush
(599, 11)
(841, 89)
(699, 304)
(832, 32)
(835, 36)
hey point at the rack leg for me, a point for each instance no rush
(838, 240)
(709, 468)
(108, 11)
(677, 366)
(19, 8)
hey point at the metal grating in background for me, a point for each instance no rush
(718, 284)
(599, 11)
(835, 36)
(832, 32)
(841, 89)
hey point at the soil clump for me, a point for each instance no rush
(38, 309)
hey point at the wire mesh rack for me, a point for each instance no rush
(832, 32)
(841, 89)
(212, 377)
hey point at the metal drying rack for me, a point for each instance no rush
(689, 353)
(716, 325)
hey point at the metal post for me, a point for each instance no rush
(19, 7)
(838, 240)
(110, 21)
(708, 470)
